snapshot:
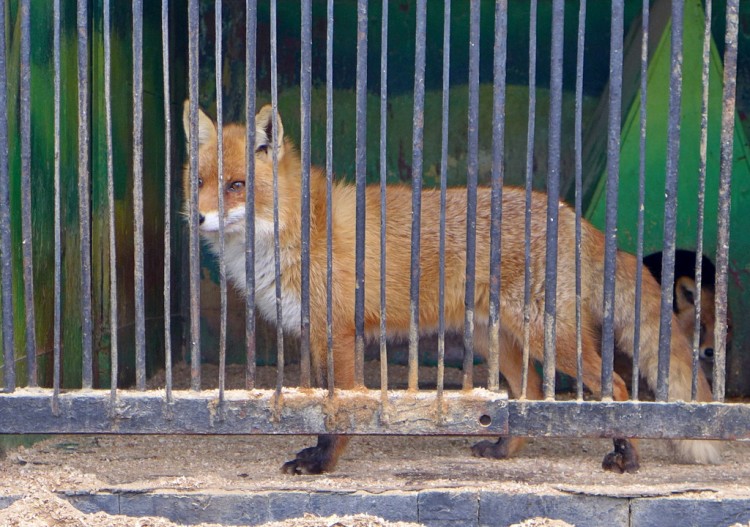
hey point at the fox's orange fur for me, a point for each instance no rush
(323, 457)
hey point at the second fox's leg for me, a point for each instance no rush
(511, 368)
(324, 455)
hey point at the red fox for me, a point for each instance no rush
(685, 293)
(324, 455)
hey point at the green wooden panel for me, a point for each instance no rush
(657, 108)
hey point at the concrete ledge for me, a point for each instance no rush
(433, 508)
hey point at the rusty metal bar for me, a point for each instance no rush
(578, 191)
(360, 156)
(167, 209)
(140, 302)
(670, 201)
(251, 22)
(114, 356)
(194, 240)
(383, 181)
(416, 191)
(222, 186)
(645, 12)
(26, 188)
(472, 170)
(498, 174)
(529, 174)
(725, 196)
(553, 194)
(275, 158)
(702, 153)
(329, 197)
(443, 194)
(305, 106)
(84, 202)
(57, 307)
(6, 272)
(613, 179)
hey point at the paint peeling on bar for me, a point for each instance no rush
(167, 216)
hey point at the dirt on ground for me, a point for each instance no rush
(44, 471)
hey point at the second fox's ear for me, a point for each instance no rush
(264, 131)
(206, 128)
(685, 293)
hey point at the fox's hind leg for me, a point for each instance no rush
(511, 368)
(324, 455)
(625, 457)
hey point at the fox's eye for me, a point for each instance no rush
(236, 186)
(200, 182)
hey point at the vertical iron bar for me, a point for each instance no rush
(498, 174)
(167, 204)
(194, 241)
(578, 191)
(305, 104)
(57, 331)
(416, 196)
(383, 215)
(140, 314)
(251, 14)
(703, 148)
(530, 132)
(26, 232)
(613, 177)
(329, 197)
(443, 194)
(553, 194)
(641, 199)
(6, 276)
(471, 192)
(360, 175)
(275, 158)
(727, 146)
(107, 30)
(220, 164)
(670, 201)
(84, 204)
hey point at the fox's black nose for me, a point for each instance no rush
(201, 219)
(708, 353)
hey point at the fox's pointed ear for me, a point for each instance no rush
(264, 131)
(206, 128)
(685, 293)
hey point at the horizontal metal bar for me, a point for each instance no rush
(655, 420)
(254, 412)
(308, 412)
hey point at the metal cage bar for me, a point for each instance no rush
(553, 194)
(472, 169)
(383, 207)
(360, 170)
(725, 196)
(222, 206)
(6, 272)
(613, 178)
(498, 174)
(84, 203)
(57, 307)
(26, 229)
(167, 212)
(416, 191)
(251, 23)
(670, 201)
(140, 301)
(329, 198)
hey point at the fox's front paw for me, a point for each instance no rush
(498, 450)
(308, 461)
(623, 459)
